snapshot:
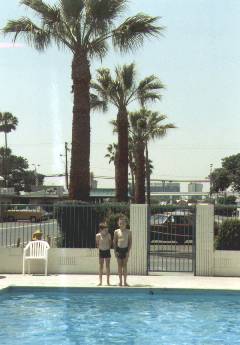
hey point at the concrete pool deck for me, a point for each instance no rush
(177, 281)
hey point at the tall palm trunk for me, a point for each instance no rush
(5, 134)
(79, 188)
(140, 174)
(122, 157)
(131, 166)
(148, 176)
(115, 166)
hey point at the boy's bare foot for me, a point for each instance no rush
(120, 284)
(100, 284)
(126, 284)
(108, 283)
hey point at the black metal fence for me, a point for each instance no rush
(227, 227)
(171, 239)
(63, 225)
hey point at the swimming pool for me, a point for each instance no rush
(118, 316)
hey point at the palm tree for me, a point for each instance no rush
(84, 27)
(137, 130)
(121, 91)
(8, 123)
(154, 130)
(112, 150)
(145, 125)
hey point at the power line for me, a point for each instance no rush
(174, 148)
(66, 163)
(202, 180)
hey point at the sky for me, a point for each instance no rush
(198, 60)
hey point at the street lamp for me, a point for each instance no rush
(36, 175)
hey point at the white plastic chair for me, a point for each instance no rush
(36, 250)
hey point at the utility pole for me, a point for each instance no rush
(36, 175)
(66, 164)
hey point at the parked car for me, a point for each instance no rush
(174, 226)
(31, 214)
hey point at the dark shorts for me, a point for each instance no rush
(122, 252)
(104, 254)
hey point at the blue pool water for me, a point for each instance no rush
(126, 317)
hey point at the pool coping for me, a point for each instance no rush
(120, 291)
(180, 282)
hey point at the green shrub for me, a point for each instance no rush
(226, 206)
(229, 235)
(216, 229)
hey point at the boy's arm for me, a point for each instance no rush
(129, 241)
(110, 240)
(97, 241)
(115, 240)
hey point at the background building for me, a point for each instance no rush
(157, 187)
(195, 187)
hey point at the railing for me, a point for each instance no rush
(63, 225)
(171, 239)
(227, 227)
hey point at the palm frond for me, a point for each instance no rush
(97, 48)
(30, 32)
(114, 124)
(127, 75)
(104, 78)
(161, 131)
(102, 13)
(98, 104)
(106, 87)
(146, 125)
(131, 33)
(112, 150)
(151, 83)
(71, 9)
(8, 122)
(151, 96)
(149, 89)
(49, 14)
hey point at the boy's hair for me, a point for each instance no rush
(123, 217)
(102, 226)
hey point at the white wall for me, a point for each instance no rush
(227, 263)
(210, 262)
(84, 261)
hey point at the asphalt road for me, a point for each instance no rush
(13, 232)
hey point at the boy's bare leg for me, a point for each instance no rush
(125, 271)
(120, 271)
(101, 262)
(108, 270)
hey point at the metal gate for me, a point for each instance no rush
(171, 239)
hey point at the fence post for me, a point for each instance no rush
(139, 226)
(205, 240)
